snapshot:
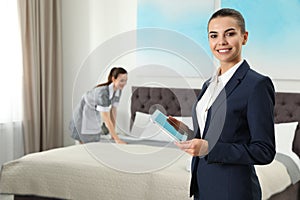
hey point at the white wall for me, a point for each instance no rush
(87, 24)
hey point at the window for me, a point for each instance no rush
(10, 63)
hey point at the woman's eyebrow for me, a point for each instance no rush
(210, 32)
(214, 32)
(230, 29)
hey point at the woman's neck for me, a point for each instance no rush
(115, 88)
(226, 66)
(224, 69)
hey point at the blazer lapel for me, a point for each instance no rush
(236, 78)
(216, 112)
(224, 94)
(229, 87)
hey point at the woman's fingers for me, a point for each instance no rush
(178, 125)
(174, 122)
(195, 147)
(120, 142)
(184, 144)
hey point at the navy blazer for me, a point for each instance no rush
(240, 133)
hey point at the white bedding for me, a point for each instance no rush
(73, 173)
(273, 178)
(111, 171)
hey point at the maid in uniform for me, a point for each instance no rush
(99, 106)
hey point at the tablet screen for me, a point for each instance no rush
(161, 120)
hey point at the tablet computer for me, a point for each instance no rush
(160, 119)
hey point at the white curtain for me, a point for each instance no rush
(11, 138)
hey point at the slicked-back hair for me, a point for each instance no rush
(229, 12)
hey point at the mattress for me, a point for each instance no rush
(110, 171)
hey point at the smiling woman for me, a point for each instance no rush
(97, 107)
(233, 118)
(226, 37)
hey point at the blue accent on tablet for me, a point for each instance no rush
(161, 119)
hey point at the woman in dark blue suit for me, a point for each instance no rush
(233, 119)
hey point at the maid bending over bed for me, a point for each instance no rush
(99, 106)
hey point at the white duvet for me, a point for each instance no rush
(111, 171)
(75, 172)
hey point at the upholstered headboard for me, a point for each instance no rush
(287, 109)
(171, 101)
(179, 102)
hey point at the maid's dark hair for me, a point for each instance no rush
(114, 73)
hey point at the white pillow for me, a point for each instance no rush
(143, 128)
(284, 136)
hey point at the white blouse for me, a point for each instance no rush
(216, 85)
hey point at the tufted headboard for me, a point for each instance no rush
(287, 109)
(179, 102)
(171, 101)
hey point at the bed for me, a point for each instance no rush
(150, 166)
